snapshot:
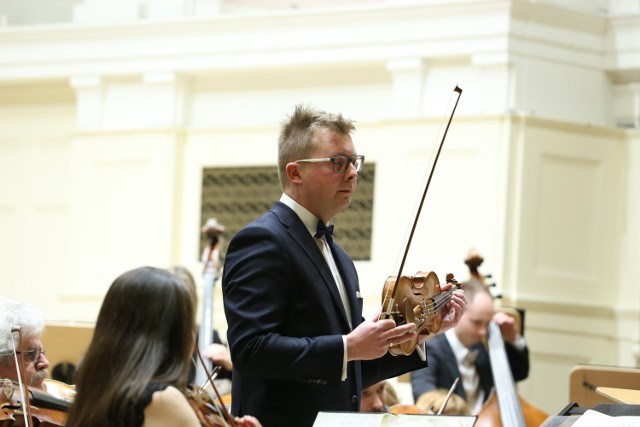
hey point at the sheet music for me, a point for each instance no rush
(593, 418)
(356, 419)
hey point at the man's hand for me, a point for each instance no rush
(220, 355)
(452, 311)
(373, 337)
(507, 326)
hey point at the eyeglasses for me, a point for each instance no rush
(32, 355)
(340, 163)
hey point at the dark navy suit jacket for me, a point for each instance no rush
(286, 322)
(443, 368)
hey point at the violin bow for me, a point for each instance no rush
(28, 421)
(388, 310)
(225, 413)
(446, 399)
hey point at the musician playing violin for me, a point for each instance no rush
(298, 341)
(460, 352)
(135, 370)
(29, 320)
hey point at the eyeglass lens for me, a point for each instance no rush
(341, 163)
(33, 355)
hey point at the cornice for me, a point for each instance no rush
(362, 34)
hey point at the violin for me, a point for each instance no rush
(45, 409)
(206, 410)
(417, 299)
(402, 408)
(60, 390)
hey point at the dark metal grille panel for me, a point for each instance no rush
(237, 196)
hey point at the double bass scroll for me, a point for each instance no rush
(212, 262)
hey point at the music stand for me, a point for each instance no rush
(585, 379)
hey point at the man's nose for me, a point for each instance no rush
(379, 404)
(42, 362)
(351, 172)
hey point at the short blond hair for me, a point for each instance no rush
(296, 134)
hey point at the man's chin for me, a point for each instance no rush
(37, 381)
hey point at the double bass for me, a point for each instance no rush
(212, 262)
(504, 407)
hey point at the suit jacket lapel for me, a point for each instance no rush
(300, 234)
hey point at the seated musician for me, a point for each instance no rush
(29, 320)
(135, 370)
(374, 398)
(460, 352)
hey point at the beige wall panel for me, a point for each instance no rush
(123, 212)
(461, 209)
(555, 352)
(10, 213)
(569, 221)
(35, 202)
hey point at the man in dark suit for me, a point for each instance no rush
(299, 344)
(460, 352)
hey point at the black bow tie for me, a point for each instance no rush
(325, 231)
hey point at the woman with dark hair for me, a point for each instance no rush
(135, 370)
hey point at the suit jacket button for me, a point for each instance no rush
(354, 399)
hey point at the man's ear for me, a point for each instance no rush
(293, 173)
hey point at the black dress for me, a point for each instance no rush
(145, 400)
